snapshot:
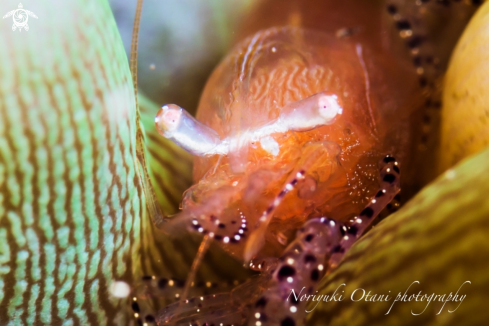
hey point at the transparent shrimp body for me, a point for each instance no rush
(259, 179)
(286, 100)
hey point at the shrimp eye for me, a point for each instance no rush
(168, 118)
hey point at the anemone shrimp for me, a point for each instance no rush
(287, 138)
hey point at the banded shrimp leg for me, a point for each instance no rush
(319, 246)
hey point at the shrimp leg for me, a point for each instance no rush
(303, 263)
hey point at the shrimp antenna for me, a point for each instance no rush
(157, 216)
(133, 61)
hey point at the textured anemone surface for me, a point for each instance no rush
(438, 239)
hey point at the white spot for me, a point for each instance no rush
(293, 309)
(358, 220)
(257, 315)
(226, 239)
(270, 145)
(241, 231)
(450, 174)
(171, 283)
(194, 222)
(120, 289)
(274, 49)
(289, 186)
(201, 230)
(235, 183)
(290, 261)
(237, 237)
(290, 279)
(373, 201)
(320, 267)
(329, 107)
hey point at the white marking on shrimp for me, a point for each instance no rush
(270, 145)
